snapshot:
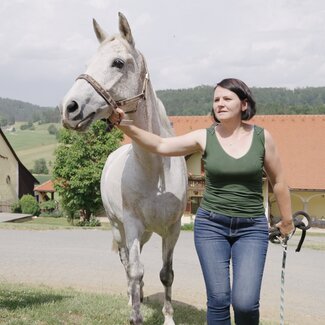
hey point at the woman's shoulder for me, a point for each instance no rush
(263, 134)
(258, 129)
(211, 129)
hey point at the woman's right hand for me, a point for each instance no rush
(117, 116)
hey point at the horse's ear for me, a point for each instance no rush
(100, 33)
(125, 29)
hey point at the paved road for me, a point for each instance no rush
(83, 259)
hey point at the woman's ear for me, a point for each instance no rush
(244, 105)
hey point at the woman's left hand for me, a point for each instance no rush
(286, 228)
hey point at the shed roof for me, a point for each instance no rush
(45, 187)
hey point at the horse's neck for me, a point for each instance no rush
(151, 117)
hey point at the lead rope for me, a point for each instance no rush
(276, 238)
(284, 244)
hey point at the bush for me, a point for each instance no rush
(49, 209)
(28, 126)
(52, 130)
(93, 222)
(16, 208)
(53, 214)
(29, 205)
(48, 206)
(188, 226)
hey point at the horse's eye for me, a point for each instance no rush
(118, 63)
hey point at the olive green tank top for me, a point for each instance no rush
(233, 187)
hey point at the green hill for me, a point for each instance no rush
(198, 100)
(190, 101)
(31, 145)
(12, 111)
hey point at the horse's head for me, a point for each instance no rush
(114, 76)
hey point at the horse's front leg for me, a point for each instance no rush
(120, 241)
(167, 273)
(135, 273)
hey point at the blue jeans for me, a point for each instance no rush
(218, 239)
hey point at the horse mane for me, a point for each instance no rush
(165, 122)
(162, 114)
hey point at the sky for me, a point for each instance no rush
(46, 44)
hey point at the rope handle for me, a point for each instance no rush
(301, 220)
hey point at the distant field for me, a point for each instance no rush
(31, 145)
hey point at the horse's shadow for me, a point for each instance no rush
(184, 314)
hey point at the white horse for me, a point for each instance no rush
(142, 192)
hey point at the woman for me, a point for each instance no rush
(230, 223)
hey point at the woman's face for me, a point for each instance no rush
(227, 105)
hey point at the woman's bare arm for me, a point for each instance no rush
(172, 146)
(276, 176)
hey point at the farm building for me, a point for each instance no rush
(301, 143)
(44, 191)
(15, 179)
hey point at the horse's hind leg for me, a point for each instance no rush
(167, 273)
(145, 237)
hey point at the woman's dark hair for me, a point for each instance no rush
(243, 92)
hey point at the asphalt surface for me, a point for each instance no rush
(6, 216)
(83, 259)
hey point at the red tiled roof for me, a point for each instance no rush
(45, 187)
(184, 124)
(301, 143)
(300, 140)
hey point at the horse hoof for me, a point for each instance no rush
(136, 320)
(169, 321)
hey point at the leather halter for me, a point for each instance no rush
(128, 105)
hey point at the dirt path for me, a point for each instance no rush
(83, 259)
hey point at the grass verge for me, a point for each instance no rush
(25, 305)
(48, 223)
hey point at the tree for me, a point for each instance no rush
(40, 167)
(77, 168)
(3, 121)
(52, 129)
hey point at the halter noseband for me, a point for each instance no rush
(128, 105)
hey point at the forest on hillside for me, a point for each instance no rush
(270, 101)
(190, 101)
(12, 111)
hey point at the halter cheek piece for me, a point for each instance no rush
(128, 105)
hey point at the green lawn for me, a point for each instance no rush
(48, 223)
(24, 305)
